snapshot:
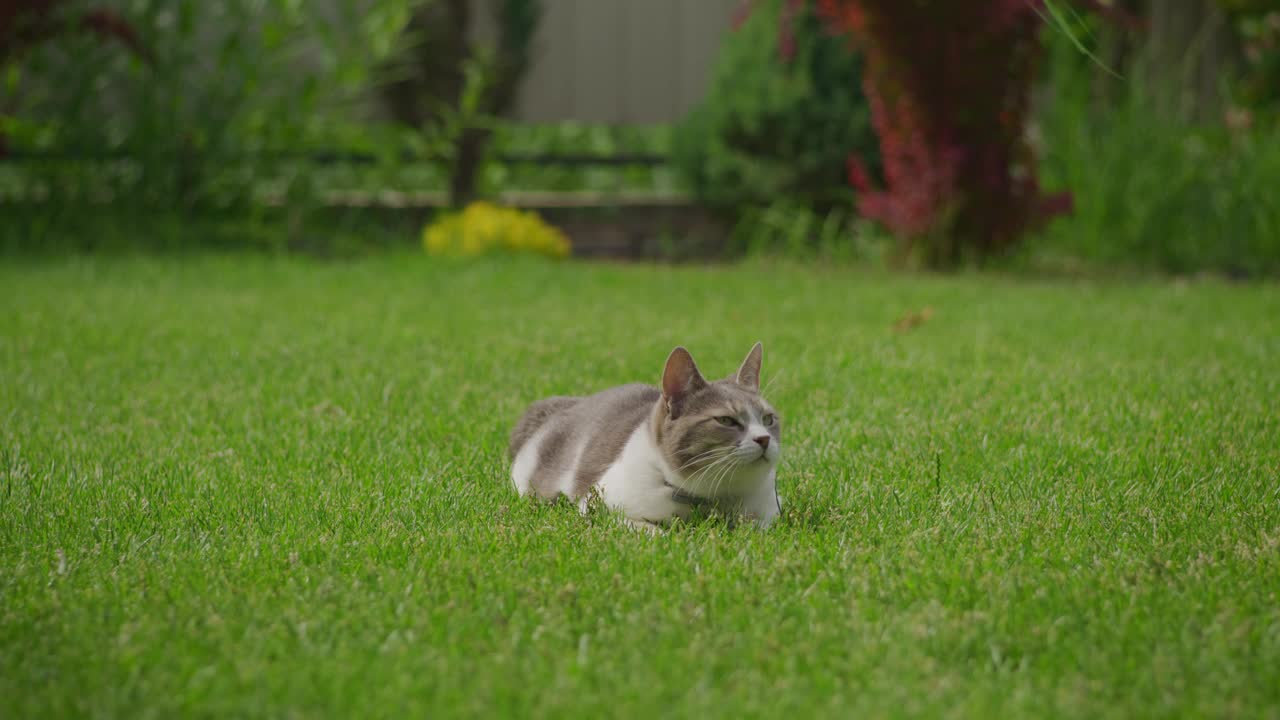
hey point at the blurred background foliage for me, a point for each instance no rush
(238, 123)
(444, 84)
(231, 85)
(1165, 141)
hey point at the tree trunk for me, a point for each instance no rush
(468, 158)
(1192, 47)
(1118, 46)
(514, 40)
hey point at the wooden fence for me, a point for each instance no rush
(621, 61)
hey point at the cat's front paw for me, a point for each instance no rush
(646, 526)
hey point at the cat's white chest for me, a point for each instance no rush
(636, 483)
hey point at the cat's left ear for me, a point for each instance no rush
(749, 374)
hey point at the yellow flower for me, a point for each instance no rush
(483, 228)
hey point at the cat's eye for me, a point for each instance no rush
(767, 420)
(727, 421)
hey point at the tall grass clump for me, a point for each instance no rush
(784, 113)
(1154, 190)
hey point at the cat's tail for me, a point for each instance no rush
(533, 419)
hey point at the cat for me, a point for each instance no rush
(658, 453)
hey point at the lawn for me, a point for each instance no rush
(251, 487)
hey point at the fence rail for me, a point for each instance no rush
(328, 157)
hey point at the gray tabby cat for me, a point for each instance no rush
(657, 453)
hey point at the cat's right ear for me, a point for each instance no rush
(680, 379)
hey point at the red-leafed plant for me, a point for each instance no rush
(949, 84)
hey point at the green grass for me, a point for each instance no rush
(250, 487)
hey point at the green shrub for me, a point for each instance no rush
(1258, 25)
(231, 84)
(1155, 192)
(787, 230)
(777, 124)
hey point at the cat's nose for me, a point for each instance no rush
(763, 441)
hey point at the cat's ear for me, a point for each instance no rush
(680, 379)
(749, 374)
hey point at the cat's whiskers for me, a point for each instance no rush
(715, 465)
(730, 467)
(720, 478)
(715, 451)
(703, 471)
(699, 476)
(723, 467)
(776, 374)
